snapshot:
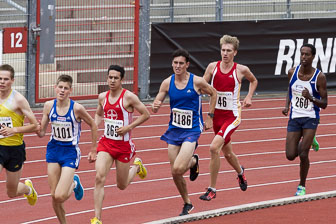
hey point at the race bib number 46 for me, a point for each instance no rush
(5, 121)
(111, 127)
(182, 118)
(224, 101)
(62, 131)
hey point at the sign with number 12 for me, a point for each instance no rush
(15, 40)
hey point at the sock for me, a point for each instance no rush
(213, 189)
(241, 173)
(30, 191)
(75, 184)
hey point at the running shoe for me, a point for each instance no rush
(32, 197)
(95, 220)
(79, 191)
(301, 190)
(208, 195)
(187, 208)
(315, 144)
(242, 180)
(142, 169)
(194, 171)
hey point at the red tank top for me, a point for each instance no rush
(228, 90)
(224, 81)
(115, 116)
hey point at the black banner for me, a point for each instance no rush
(269, 48)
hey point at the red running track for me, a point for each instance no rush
(259, 142)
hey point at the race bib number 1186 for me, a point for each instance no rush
(182, 118)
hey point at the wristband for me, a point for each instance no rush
(211, 115)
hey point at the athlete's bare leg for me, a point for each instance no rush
(231, 157)
(103, 164)
(215, 148)
(181, 160)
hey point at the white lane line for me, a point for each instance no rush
(177, 196)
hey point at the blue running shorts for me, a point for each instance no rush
(66, 156)
(178, 136)
(297, 124)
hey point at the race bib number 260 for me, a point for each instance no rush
(300, 102)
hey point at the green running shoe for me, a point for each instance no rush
(315, 144)
(301, 190)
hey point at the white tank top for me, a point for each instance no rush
(300, 106)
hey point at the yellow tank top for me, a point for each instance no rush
(10, 119)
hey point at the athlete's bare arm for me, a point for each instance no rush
(82, 114)
(22, 107)
(244, 72)
(100, 111)
(45, 118)
(131, 102)
(322, 88)
(321, 84)
(204, 87)
(286, 109)
(164, 88)
(209, 72)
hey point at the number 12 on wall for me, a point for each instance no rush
(15, 40)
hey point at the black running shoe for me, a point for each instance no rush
(242, 181)
(194, 171)
(186, 209)
(208, 195)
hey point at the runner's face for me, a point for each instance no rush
(306, 57)
(62, 90)
(228, 52)
(180, 65)
(114, 79)
(5, 81)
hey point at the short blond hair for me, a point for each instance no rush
(227, 39)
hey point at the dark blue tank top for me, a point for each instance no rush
(65, 130)
(185, 107)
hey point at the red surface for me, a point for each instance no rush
(259, 142)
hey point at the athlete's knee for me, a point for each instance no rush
(11, 193)
(122, 186)
(303, 155)
(60, 198)
(214, 150)
(100, 179)
(291, 156)
(178, 170)
(229, 155)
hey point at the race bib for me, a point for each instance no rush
(111, 127)
(62, 131)
(6, 121)
(224, 101)
(301, 103)
(182, 118)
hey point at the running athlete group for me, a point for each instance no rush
(307, 93)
